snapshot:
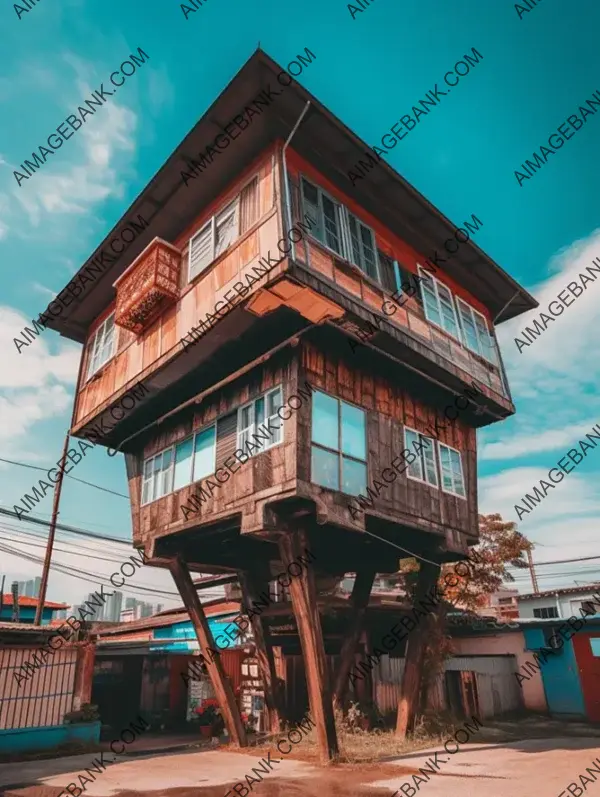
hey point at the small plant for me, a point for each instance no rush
(87, 713)
(208, 712)
(250, 722)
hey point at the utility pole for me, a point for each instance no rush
(532, 571)
(52, 529)
(2, 595)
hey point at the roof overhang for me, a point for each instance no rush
(169, 206)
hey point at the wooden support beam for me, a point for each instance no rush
(359, 600)
(224, 692)
(413, 666)
(304, 601)
(249, 583)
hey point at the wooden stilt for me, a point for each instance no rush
(411, 679)
(304, 601)
(264, 647)
(359, 601)
(222, 687)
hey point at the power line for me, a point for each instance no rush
(65, 527)
(81, 481)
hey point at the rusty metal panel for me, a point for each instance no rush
(44, 698)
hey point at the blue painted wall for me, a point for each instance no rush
(189, 643)
(26, 614)
(20, 740)
(560, 675)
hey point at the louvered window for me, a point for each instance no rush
(223, 229)
(362, 240)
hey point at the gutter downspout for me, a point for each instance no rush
(286, 181)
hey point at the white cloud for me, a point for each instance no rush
(536, 442)
(35, 366)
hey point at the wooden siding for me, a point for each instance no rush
(285, 468)
(264, 476)
(389, 409)
(137, 356)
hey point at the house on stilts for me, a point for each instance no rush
(294, 366)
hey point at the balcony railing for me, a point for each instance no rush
(149, 284)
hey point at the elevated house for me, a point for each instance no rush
(271, 347)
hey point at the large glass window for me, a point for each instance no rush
(451, 469)
(253, 415)
(177, 466)
(339, 445)
(423, 447)
(102, 345)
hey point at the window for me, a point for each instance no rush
(223, 229)
(327, 214)
(423, 468)
(451, 470)
(102, 345)
(546, 612)
(595, 645)
(180, 465)
(476, 333)
(362, 247)
(339, 445)
(158, 476)
(390, 272)
(253, 415)
(438, 304)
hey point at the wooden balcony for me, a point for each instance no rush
(148, 286)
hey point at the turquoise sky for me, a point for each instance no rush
(537, 68)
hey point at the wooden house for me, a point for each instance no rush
(272, 308)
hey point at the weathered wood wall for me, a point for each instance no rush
(268, 474)
(137, 355)
(390, 408)
(284, 470)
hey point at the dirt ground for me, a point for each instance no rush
(544, 766)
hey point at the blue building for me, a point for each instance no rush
(27, 609)
(571, 673)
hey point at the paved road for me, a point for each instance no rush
(532, 768)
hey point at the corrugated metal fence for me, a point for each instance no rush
(45, 697)
(497, 687)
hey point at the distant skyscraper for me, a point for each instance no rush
(112, 607)
(31, 588)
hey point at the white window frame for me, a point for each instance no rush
(96, 344)
(462, 471)
(173, 449)
(151, 479)
(214, 221)
(420, 455)
(488, 345)
(266, 444)
(428, 275)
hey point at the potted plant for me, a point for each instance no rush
(249, 721)
(208, 715)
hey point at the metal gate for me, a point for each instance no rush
(43, 699)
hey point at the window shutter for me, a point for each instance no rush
(249, 206)
(386, 265)
(201, 250)
(226, 437)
